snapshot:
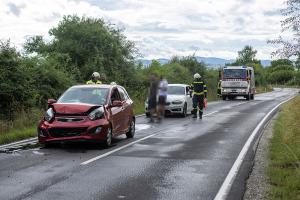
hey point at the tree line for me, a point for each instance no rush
(82, 45)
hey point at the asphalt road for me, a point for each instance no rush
(181, 158)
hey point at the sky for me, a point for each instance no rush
(159, 28)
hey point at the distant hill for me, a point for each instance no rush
(213, 62)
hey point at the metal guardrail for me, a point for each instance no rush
(18, 144)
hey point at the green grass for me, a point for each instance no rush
(284, 153)
(24, 126)
(139, 106)
(263, 89)
(18, 134)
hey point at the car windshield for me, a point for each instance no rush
(176, 90)
(234, 73)
(84, 95)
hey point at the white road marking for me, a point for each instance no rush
(117, 149)
(227, 184)
(125, 146)
(211, 113)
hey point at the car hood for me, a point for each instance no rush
(62, 108)
(175, 97)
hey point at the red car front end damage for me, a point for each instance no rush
(110, 114)
(72, 126)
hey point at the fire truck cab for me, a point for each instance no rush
(237, 81)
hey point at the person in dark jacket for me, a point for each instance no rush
(152, 98)
(199, 94)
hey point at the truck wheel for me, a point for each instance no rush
(248, 97)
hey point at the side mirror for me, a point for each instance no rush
(51, 101)
(117, 103)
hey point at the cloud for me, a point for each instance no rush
(159, 28)
(16, 10)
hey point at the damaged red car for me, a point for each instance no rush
(88, 113)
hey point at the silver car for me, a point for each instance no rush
(179, 100)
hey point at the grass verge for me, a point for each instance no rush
(17, 134)
(284, 153)
(263, 89)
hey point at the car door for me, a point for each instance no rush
(189, 99)
(126, 113)
(116, 112)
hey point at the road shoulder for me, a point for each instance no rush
(258, 183)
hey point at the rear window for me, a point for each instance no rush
(84, 95)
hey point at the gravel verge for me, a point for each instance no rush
(258, 183)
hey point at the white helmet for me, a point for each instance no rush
(113, 83)
(196, 76)
(95, 75)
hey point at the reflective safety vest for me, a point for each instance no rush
(199, 87)
(92, 82)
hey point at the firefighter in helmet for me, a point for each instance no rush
(95, 79)
(199, 94)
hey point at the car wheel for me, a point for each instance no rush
(147, 114)
(252, 96)
(184, 110)
(131, 132)
(224, 97)
(108, 140)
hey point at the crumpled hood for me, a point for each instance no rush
(61, 108)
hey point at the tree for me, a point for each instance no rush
(191, 63)
(15, 90)
(287, 62)
(91, 45)
(246, 56)
(291, 23)
(281, 71)
(297, 63)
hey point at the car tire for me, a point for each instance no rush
(224, 97)
(131, 132)
(184, 110)
(108, 140)
(147, 114)
(252, 96)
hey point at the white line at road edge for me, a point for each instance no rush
(227, 184)
(127, 145)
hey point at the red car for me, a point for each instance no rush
(88, 113)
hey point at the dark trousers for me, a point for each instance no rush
(198, 101)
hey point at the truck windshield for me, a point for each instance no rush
(234, 73)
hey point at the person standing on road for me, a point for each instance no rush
(162, 97)
(95, 79)
(152, 101)
(219, 88)
(199, 94)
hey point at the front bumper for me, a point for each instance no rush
(85, 130)
(234, 92)
(170, 108)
